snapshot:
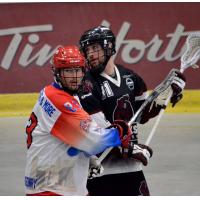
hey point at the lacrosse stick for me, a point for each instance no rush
(188, 59)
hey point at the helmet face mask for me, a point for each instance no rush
(95, 57)
(71, 78)
(102, 36)
(68, 66)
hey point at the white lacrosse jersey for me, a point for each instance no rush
(60, 138)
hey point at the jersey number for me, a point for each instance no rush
(106, 90)
(30, 127)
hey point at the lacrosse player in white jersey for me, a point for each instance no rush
(61, 136)
(118, 93)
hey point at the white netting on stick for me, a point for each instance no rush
(192, 53)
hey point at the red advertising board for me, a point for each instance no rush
(150, 38)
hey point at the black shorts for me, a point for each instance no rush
(125, 184)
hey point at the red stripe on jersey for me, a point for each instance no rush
(46, 193)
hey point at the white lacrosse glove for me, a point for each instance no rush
(176, 88)
(95, 169)
(161, 99)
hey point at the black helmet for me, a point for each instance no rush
(103, 36)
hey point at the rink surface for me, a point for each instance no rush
(174, 169)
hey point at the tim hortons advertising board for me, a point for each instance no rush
(150, 38)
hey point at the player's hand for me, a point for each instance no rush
(139, 152)
(95, 169)
(124, 132)
(178, 84)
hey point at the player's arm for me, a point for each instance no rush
(153, 108)
(141, 95)
(75, 128)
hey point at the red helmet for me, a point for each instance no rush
(68, 56)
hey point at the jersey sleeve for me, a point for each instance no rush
(75, 127)
(141, 95)
(141, 88)
(90, 103)
(140, 91)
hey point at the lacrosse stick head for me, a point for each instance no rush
(192, 53)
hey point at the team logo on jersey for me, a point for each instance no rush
(84, 124)
(130, 83)
(123, 109)
(72, 106)
(69, 107)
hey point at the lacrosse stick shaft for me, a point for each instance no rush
(151, 134)
(103, 155)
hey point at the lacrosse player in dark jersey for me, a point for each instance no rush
(114, 92)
